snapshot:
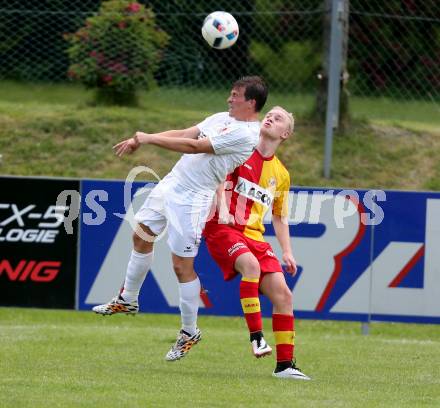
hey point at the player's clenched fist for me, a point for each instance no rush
(290, 263)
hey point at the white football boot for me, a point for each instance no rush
(117, 305)
(183, 345)
(292, 372)
(260, 348)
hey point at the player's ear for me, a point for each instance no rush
(285, 135)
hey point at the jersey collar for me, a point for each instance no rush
(264, 158)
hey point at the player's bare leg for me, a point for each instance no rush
(274, 286)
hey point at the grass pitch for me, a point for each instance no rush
(78, 359)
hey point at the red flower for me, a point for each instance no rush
(100, 57)
(122, 25)
(107, 79)
(133, 7)
(117, 67)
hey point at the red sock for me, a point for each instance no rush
(250, 302)
(283, 330)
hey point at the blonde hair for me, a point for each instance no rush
(290, 117)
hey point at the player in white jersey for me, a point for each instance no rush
(182, 199)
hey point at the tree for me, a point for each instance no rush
(117, 51)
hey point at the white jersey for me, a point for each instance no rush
(233, 142)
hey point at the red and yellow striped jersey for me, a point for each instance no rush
(254, 187)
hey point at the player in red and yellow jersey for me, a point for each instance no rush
(234, 238)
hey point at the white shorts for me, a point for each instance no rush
(184, 212)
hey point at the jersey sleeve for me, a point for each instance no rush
(209, 121)
(234, 141)
(281, 200)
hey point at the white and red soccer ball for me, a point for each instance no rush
(220, 30)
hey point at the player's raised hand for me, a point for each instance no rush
(290, 263)
(127, 146)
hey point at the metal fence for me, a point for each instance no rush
(393, 46)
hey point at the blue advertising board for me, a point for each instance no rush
(360, 255)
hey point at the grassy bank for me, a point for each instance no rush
(53, 130)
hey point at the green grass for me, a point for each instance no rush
(52, 130)
(411, 115)
(77, 359)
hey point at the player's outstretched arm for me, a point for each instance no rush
(281, 228)
(177, 144)
(130, 145)
(189, 133)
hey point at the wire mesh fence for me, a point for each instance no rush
(393, 46)
(271, 37)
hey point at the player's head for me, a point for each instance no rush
(248, 96)
(278, 124)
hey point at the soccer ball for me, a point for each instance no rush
(220, 30)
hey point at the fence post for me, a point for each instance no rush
(338, 31)
(365, 326)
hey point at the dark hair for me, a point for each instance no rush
(255, 88)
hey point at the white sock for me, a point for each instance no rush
(189, 293)
(137, 269)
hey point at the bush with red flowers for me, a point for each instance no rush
(117, 51)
